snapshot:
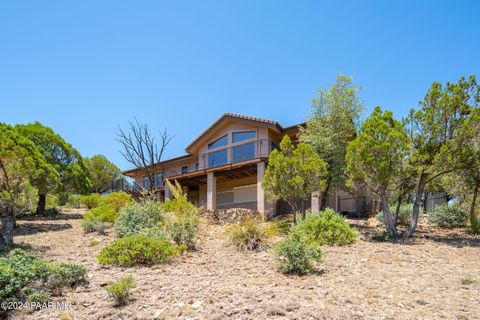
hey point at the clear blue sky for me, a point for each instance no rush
(86, 67)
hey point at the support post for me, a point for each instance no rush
(211, 191)
(315, 202)
(260, 192)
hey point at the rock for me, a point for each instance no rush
(197, 304)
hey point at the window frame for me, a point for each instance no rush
(185, 166)
(209, 146)
(244, 131)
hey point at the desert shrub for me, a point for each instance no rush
(39, 296)
(281, 227)
(91, 200)
(404, 215)
(120, 291)
(138, 249)
(93, 225)
(183, 230)
(26, 275)
(103, 213)
(52, 201)
(326, 228)
(249, 234)
(447, 217)
(18, 270)
(137, 218)
(117, 200)
(297, 255)
(65, 274)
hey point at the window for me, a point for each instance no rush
(244, 152)
(196, 166)
(217, 158)
(240, 136)
(184, 169)
(223, 141)
(146, 185)
(159, 180)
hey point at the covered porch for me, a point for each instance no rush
(226, 187)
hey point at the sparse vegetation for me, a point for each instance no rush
(120, 291)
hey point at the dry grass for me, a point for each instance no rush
(422, 278)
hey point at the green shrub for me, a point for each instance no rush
(73, 201)
(117, 200)
(297, 255)
(120, 291)
(91, 201)
(447, 217)
(138, 249)
(136, 218)
(26, 275)
(18, 270)
(326, 228)
(404, 215)
(65, 274)
(93, 225)
(183, 230)
(103, 213)
(249, 234)
(39, 296)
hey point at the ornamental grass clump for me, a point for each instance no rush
(250, 234)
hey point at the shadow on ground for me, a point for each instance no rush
(26, 229)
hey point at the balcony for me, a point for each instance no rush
(229, 156)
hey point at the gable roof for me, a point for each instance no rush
(237, 117)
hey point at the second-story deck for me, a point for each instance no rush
(226, 158)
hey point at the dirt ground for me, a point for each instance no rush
(427, 278)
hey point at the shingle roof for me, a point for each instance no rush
(232, 116)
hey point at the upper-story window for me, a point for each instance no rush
(245, 135)
(223, 141)
(184, 169)
(146, 183)
(159, 180)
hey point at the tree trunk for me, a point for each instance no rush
(474, 225)
(294, 207)
(416, 205)
(42, 201)
(397, 210)
(387, 215)
(6, 236)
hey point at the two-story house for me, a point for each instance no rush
(224, 166)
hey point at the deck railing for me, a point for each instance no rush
(238, 153)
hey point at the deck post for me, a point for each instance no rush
(211, 191)
(260, 193)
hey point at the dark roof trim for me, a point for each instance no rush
(185, 156)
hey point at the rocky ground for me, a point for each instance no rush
(427, 278)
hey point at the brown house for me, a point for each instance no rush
(224, 166)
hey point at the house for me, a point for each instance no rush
(224, 166)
